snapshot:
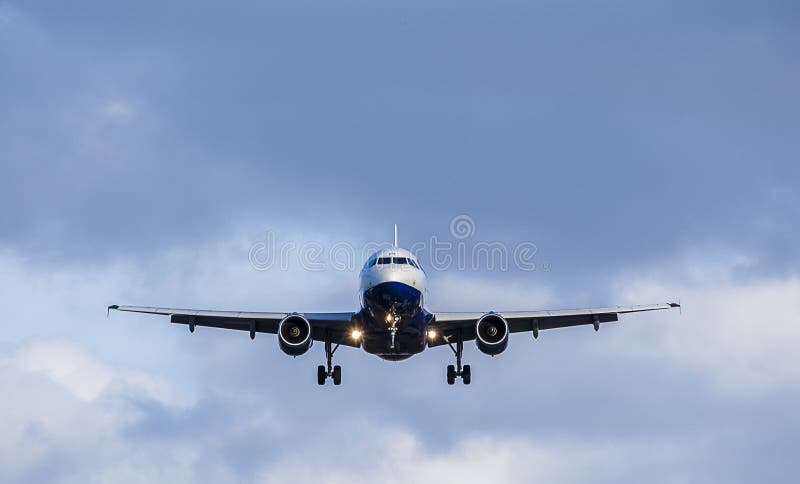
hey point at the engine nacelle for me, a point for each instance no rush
(294, 335)
(491, 334)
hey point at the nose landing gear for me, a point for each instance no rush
(393, 319)
(334, 372)
(453, 372)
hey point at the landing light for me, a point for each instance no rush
(356, 334)
(431, 334)
(389, 317)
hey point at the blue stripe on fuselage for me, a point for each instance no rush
(393, 298)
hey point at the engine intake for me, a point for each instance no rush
(491, 334)
(294, 335)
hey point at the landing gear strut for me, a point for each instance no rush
(393, 327)
(464, 372)
(334, 372)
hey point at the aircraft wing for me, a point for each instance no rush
(448, 324)
(337, 325)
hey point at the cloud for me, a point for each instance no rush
(130, 164)
(465, 291)
(109, 399)
(740, 332)
(395, 455)
(67, 410)
(73, 418)
(74, 370)
(219, 137)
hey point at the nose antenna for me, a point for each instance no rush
(395, 236)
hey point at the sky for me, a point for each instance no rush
(640, 151)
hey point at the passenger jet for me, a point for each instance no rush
(392, 321)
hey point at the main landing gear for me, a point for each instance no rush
(464, 372)
(334, 372)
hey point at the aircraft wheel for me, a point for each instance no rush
(321, 375)
(451, 374)
(337, 375)
(466, 375)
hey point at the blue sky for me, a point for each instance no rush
(648, 149)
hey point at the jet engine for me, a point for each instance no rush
(491, 334)
(294, 335)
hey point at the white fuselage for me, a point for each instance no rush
(409, 273)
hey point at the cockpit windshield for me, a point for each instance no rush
(408, 261)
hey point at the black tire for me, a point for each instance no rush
(337, 375)
(322, 375)
(466, 375)
(451, 374)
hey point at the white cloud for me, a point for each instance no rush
(740, 333)
(396, 455)
(74, 408)
(64, 407)
(77, 372)
(69, 417)
(461, 291)
(69, 302)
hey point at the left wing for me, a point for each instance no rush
(335, 325)
(449, 324)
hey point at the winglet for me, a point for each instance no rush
(395, 236)
(108, 310)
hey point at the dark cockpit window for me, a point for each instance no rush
(413, 264)
(371, 262)
(385, 260)
(400, 260)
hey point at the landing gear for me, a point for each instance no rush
(464, 372)
(393, 328)
(334, 372)
(337, 375)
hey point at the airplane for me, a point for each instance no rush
(392, 322)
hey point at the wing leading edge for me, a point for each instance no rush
(448, 324)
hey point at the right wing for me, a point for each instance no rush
(334, 325)
(448, 324)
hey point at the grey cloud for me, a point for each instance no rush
(241, 404)
(144, 151)
(630, 137)
(235, 437)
